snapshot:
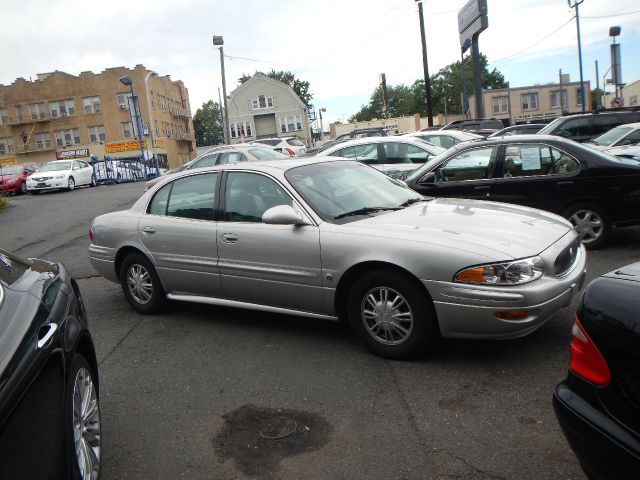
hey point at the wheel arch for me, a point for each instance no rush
(123, 253)
(87, 350)
(353, 272)
(588, 201)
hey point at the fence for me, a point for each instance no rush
(108, 171)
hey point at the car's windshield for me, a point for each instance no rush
(55, 166)
(343, 191)
(295, 142)
(11, 170)
(267, 154)
(611, 136)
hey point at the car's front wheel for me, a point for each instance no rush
(391, 314)
(591, 222)
(141, 285)
(84, 418)
(23, 187)
(71, 184)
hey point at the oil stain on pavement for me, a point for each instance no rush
(258, 439)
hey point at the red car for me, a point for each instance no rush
(13, 178)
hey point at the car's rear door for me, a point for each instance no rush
(179, 231)
(465, 174)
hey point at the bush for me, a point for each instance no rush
(4, 202)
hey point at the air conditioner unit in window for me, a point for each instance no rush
(68, 144)
(123, 106)
(62, 114)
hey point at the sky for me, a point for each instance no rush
(340, 47)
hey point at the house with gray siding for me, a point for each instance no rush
(263, 107)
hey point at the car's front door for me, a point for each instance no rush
(467, 174)
(536, 175)
(274, 265)
(82, 172)
(179, 232)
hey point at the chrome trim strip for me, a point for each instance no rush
(188, 261)
(1, 295)
(277, 271)
(472, 294)
(232, 303)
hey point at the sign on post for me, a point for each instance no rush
(472, 19)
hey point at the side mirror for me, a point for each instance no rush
(282, 215)
(428, 178)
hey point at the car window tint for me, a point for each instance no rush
(204, 161)
(445, 141)
(367, 153)
(526, 160)
(467, 165)
(76, 164)
(295, 142)
(602, 124)
(574, 128)
(633, 137)
(192, 197)
(249, 195)
(158, 205)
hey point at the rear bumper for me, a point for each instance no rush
(603, 447)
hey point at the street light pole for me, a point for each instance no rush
(219, 42)
(151, 126)
(575, 5)
(134, 110)
(321, 125)
(427, 82)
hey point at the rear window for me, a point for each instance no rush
(295, 142)
(11, 268)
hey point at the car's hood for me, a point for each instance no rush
(489, 228)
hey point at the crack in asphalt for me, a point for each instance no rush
(422, 438)
(120, 342)
(36, 242)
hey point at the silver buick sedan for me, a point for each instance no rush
(331, 238)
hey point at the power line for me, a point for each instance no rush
(613, 15)
(534, 44)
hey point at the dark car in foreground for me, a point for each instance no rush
(592, 189)
(598, 405)
(49, 415)
(13, 178)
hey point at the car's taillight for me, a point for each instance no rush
(91, 234)
(586, 360)
(289, 151)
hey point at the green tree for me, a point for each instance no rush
(300, 87)
(207, 125)
(596, 96)
(445, 84)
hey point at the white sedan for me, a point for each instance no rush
(61, 175)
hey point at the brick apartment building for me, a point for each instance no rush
(59, 115)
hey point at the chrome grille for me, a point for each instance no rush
(566, 261)
(42, 179)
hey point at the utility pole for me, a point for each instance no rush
(219, 42)
(575, 5)
(427, 82)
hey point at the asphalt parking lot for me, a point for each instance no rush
(204, 392)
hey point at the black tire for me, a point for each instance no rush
(405, 337)
(94, 182)
(592, 223)
(71, 184)
(34, 192)
(23, 188)
(141, 285)
(83, 420)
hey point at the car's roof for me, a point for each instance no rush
(388, 139)
(454, 133)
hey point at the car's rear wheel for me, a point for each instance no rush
(141, 285)
(591, 222)
(391, 314)
(84, 417)
(71, 184)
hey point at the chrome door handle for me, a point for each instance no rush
(43, 339)
(148, 230)
(229, 238)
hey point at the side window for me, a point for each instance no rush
(446, 141)
(602, 124)
(468, 165)
(362, 153)
(249, 195)
(207, 161)
(230, 158)
(82, 164)
(404, 153)
(575, 128)
(76, 164)
(532, 159)
(188, 197)
(633, 137)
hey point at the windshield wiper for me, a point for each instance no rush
(364, 211)
(411, 201)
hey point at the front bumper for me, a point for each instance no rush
(54, 184)
(604, 448)
(469, 311)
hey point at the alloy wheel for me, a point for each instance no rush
(71, 184)
(86, 425)
(386, 315)
(23, 187)
(588, 224)
(139, 283)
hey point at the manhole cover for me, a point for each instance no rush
(279, 428)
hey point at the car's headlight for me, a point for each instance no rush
(516, 272)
